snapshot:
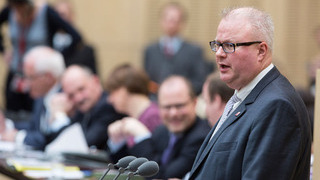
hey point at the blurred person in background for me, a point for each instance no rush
(174, 144)
(82, 88)
(43, 68)
(129, 94)
(172, 54)
(31, 23)
(216, 94)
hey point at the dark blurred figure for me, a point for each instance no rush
(83, 54)
(31, 23)
(172, 55)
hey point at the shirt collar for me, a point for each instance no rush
(245, 91)
(175, 42)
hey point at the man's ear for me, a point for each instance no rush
(217, 98)
(262, 51)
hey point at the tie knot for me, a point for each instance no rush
(235, 99)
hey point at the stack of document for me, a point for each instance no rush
(34, 168)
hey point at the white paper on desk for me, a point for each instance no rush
(71, 139)
(7, 146)
(49, 174)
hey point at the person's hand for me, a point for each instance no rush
(115, 132)
(60, 103)
(133, 127)
(9, 135)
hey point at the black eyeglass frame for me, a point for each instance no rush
(234, 45)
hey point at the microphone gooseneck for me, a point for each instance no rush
(110, 166)
(123, 164)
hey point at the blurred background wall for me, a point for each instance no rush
(120, 29)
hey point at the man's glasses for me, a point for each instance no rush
(229, 47)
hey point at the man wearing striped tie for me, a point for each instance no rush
(266, 133)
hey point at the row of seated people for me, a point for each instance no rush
(83, 100)
(123, 121)
(170, 54)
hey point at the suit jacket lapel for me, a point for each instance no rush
(208, 144)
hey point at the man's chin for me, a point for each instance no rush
(176, 130)
(82, 109)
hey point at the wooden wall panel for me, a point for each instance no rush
(120, 29)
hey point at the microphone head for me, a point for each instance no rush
(148, 169)
(133, 165)
(123, 162)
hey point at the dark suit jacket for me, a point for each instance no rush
(34, 137)
(188, 62)
(266, 137)
(184, 151)
(84, 55)
(95, 122)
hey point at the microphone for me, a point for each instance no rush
(147, 169)
(133, 165)
(123, 162)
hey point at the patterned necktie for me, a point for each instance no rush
(234, 99)
(167, 152)
(168, 50)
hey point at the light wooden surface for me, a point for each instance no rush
(3, 177)
(120, 29)
(316, 131)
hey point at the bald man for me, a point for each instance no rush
(264, 131)
(83, 90)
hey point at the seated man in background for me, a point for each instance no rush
(175, 143)
(216, 94)
(84, 91)
(43, 68)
